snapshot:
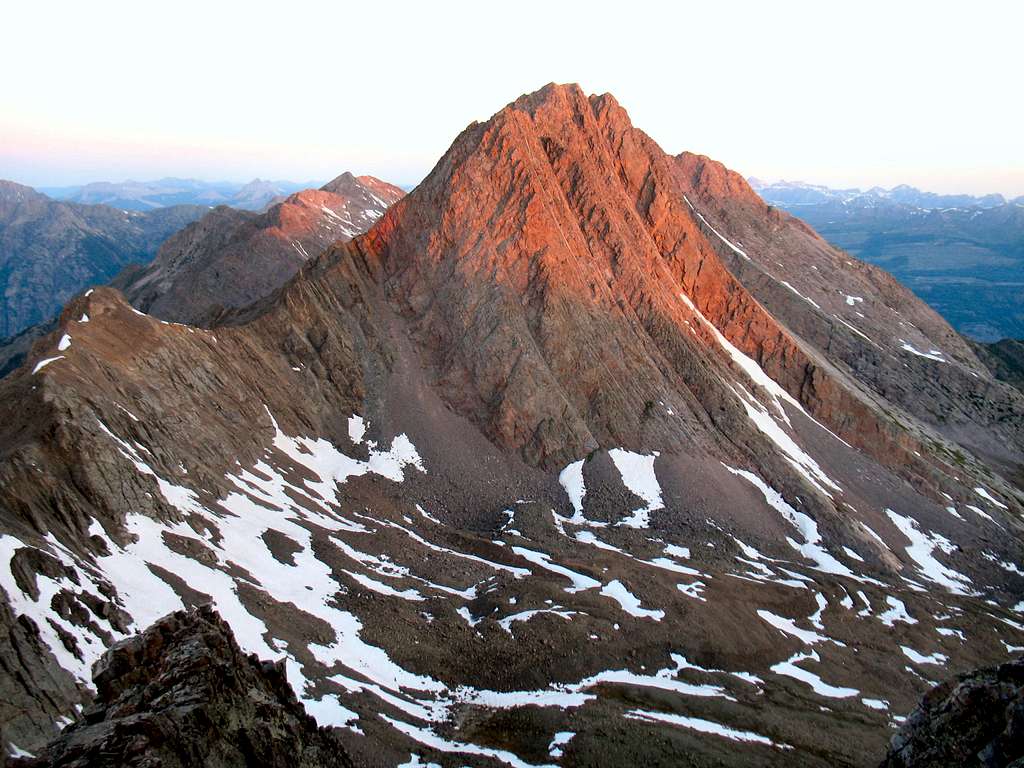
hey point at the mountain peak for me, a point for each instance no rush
(547, 93)
(571, 392)
(231, 258)
(12, 192)
(340, 184)
(585, 229)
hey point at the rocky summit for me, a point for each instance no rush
(582, 454)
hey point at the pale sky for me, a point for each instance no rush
(844, 94)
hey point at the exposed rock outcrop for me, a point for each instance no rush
(182, 694)
(975, 720)
(34, 693)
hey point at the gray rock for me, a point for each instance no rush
(975, 719)
(182, 694)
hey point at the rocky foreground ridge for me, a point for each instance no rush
(975, 719)
(582, 454)
(182, 693)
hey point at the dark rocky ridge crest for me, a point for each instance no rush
(973, 720)
(183, 694)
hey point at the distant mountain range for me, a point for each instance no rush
(212, 259)
(963, 255)
(50, 250)
(148, 195)
(795, 193)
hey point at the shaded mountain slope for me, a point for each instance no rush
(183, 694)
(861, 319)
(14, 349)
(50, 250)
(1005, 359)
(529, 473)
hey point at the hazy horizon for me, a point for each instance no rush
(844, 97)
(411, 184)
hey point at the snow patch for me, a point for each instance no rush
(810, 301)
(703, 726)
(812, 547)
(356, 428)
(559, 740)
(897, 612)
(933, 354)
(920, 658)
(630, 603)
(922, 545)
(43, 363)
(789, 668)
(989, 497)
(637, 472)
(571, 479)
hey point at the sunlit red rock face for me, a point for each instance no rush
(536, 455)
(560, 239)
(231, 258)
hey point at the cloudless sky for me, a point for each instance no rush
(845, 94)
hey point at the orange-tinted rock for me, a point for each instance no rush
(230, 258)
